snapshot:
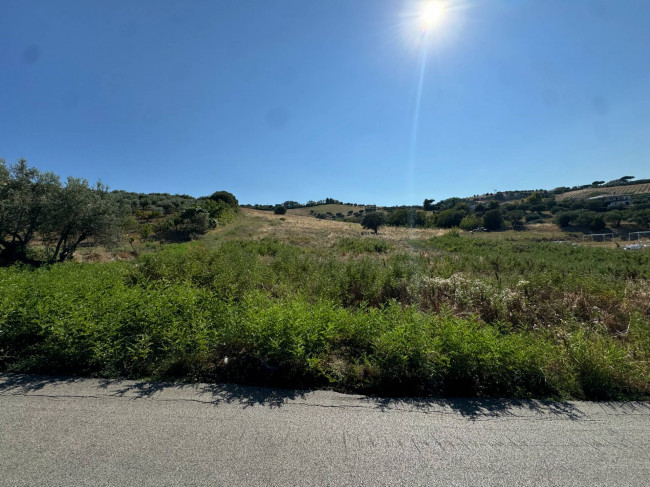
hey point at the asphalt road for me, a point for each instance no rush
(58, 431)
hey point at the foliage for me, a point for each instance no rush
(563, 219)
(279, 210)
(406, 217)
(370, 245)
(449, 218)
(181, 312)
(470, 222)
(373, 220)
(493, 219)
(591, 220)
(35, 204)
(227, 198)
(515, 217)
(427, 205)
(193, 222)
(79, 212)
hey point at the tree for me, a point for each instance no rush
(218, 210)
(25, 197)
(227, 198)
(279, 210)
(493, 220)
(34, 204)
(563, 219)
(590, 219)
(448, 204)
(373, 220)
(534, 198)
(597, 183)
(427, 205)
(515, 217)
(406, 217)
(77, 213)
(470, 222)
(194, 221)
(450, 218)
(597, 223)
(627, 178)
(614, 217)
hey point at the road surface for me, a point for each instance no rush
(64, 431)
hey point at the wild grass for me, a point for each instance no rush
(451, 315)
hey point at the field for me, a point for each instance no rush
(295, 301)
(614, 190)
(332, 208)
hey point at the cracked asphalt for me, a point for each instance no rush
(70, 431)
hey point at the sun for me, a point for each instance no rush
(432, 14)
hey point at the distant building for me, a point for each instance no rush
(614, 199)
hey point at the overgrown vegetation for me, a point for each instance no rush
(456, 316)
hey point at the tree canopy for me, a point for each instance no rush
(36, 204)
(227, 198)
(373, 220)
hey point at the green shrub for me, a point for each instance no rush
(363, 245)
(470, 222)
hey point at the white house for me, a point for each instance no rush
(614, 199)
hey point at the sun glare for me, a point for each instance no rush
(432, 14)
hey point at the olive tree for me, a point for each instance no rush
(79, 212)
(25, 206)
(35, 204)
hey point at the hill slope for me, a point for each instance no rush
(582, 194)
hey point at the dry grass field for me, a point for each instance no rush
(307, 211)
(307, 231)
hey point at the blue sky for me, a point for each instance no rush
(300, 99)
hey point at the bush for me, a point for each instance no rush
(279, 210)
(449, 218)
(363, 245)
(493, 220)
(193, 222)
(470, 222)
(227, 198)
(563, 219)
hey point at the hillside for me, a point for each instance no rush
(613, 190)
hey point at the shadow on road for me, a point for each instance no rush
(18, 383)
(248, 396)
(483, 408)
(245, 396)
